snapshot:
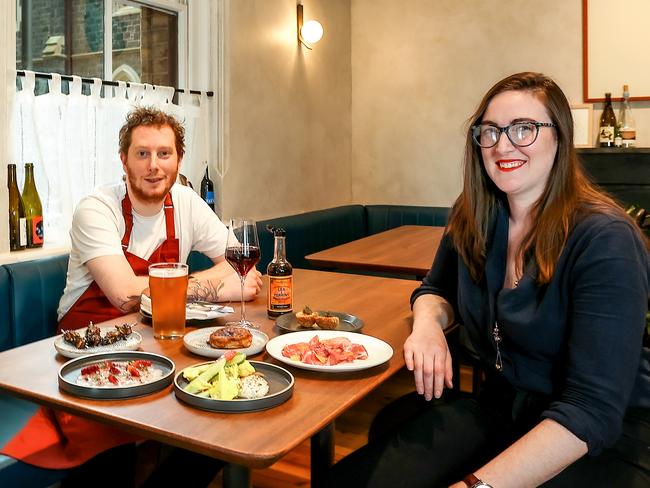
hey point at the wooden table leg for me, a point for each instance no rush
(236, 476)
(322, 455)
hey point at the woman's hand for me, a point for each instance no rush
(426, 351)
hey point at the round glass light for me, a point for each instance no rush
(312, 31)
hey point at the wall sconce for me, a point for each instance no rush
(309, 32)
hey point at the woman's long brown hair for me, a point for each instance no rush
(567, 195)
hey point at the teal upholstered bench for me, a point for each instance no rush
(383, 217)
(29, 297)
(6, 340)
(312, 231)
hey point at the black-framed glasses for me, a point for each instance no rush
(521, 134)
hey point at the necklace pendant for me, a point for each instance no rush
(498, 364)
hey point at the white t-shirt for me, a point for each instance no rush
(98, 227)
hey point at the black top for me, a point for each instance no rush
(577, 339)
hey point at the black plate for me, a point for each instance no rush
(280, 390)
(70, 371)
(347, 323)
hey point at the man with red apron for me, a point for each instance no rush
(58, 440)
(151, 149)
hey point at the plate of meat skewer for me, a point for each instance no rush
(94, 340)
(330, 351)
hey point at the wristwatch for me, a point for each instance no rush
(473, 482)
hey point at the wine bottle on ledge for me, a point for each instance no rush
(17, 223)
(626, 121)
(207, 190)
(607, 125)
(33, 209)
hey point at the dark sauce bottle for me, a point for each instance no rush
(280, 273)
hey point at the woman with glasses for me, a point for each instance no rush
(549, 278)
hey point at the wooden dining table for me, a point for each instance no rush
(244, 440)
(407, 250)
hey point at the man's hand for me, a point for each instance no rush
(231, 290)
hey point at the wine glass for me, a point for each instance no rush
(242, 252)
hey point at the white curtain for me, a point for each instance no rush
(73, 140)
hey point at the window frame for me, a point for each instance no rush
(8, 25)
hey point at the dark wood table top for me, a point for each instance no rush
(408, 249)
(253, 439)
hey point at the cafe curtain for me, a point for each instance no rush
(72, 139)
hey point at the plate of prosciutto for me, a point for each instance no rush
(332, 351)
(115, 375)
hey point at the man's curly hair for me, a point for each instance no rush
(151, 116)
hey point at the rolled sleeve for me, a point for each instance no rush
(607, 306)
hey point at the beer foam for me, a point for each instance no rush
(175, 272)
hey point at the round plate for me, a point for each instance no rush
(348, 323)
(131, 343)
(70, 371)
(378, 351)
(197, 342)
(280, 390)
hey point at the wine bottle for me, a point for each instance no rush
(17, 223)
(33, 209)
(607, 123)
(207, 190)
(280, 273)
(626, 121)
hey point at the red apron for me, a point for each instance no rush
(58, 440)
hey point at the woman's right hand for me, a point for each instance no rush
(426, 351)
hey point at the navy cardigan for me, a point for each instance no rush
(577, 339)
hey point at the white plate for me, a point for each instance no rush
(193, 311)
(378, 351)
(68, 350)
(197, 342)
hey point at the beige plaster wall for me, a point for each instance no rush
(288, 117)
(418, 71)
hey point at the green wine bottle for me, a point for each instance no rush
(33, 209)
(17, 223)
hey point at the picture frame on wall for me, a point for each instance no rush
(582, 114)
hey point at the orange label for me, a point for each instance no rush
(37, 230)
(280, 293)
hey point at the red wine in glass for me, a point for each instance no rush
(243, 258)
(242, 253)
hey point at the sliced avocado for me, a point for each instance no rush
(246, 369)
(228, 387)
(199, 383)
(237, 358)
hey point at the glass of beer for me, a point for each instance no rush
(168, 288)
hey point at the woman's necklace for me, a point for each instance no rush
(496, 336)
(497, 340)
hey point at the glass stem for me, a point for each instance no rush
(243, 306)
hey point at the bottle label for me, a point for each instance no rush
(209, 198)
(606, 134)
(36, 230)
(628, 134)
(280, 293)
(22, 232)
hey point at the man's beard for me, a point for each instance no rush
(156, 196)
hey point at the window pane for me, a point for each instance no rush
(87, 34)
(67, 37)
(144, 44)
(40, 35)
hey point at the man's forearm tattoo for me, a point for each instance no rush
(131, 304)
(203, 290)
